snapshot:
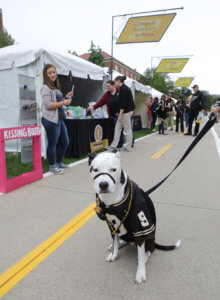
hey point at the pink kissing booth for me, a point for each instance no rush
(6, 134)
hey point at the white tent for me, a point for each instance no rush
(19, 60)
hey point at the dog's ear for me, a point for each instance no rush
(122, 179)
(91, 156)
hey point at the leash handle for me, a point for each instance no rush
(205, 129)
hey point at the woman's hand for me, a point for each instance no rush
(67, 101)
(69, 95)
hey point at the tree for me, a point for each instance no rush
(73, 52)
(146, 79)
(5, 39)
(96, 56)
(159, 83)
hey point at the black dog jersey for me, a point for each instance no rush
(140, 222)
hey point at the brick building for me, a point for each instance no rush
(117, 65)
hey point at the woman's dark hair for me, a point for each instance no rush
(156, 99)
(163, 97)
(111, 82)
(121, 78)
(52, 85)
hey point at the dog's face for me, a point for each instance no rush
(106, 172)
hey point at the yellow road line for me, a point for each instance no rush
(17, 272)
(159, 153)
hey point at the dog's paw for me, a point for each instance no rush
(111, 257)
(140, 276)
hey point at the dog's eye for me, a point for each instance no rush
(113, 170)
(95, 170)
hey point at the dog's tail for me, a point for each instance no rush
(167, 248)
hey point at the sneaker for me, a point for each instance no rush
(56, 170)
(188, 133)
(110, 148)
(181, 134)
(195, 134)
(153, 130)
(124, 149)
(62, 166)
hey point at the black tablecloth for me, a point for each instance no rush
(81, 134)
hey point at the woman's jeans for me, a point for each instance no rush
(58, 140)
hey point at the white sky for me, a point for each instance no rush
(71, 24)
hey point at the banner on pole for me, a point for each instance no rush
(183, 81)
(145, 29)
(171, 65)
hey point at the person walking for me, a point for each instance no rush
(126, 105)
(52, 118)
(161, 113)
(197, 104)
(187, 110)
(149, 113)
(169, 106)
(180, 108)
(154, 112)
(111, 100)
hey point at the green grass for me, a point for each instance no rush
(16, 168)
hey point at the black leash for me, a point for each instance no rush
(205, 129)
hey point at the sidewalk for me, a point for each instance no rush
(187, 207)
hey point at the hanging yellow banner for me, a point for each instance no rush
(145, 29)
(183, 81)
(171, 65)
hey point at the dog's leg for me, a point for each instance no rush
(121, 245)
(113, 255)
(142, 259)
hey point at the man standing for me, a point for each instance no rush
(197, 104)
(126, 104)
(111, 100)
(180, 107)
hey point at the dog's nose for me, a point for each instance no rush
(103, 185)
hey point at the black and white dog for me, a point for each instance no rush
(127, 209)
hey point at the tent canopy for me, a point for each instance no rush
(20, 56)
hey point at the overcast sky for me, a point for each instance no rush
(69, 24)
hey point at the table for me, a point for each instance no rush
(81, 134)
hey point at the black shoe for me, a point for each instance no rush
(159, 132)
(195, 134)
(188, 133)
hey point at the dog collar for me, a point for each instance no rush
(101, 212)
(104, 174)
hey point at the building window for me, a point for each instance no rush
(116, 68)
(122, 71)
(131, 75)
(127, 73)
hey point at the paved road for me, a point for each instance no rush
(187, 207)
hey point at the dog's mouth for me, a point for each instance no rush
(104, 192)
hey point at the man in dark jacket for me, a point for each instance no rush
(197, 104)
(180, 108)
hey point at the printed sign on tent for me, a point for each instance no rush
(183, 81)
(145, 29)
(171, 65)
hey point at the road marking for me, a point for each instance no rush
(17, 272)
(162, 151)
(217, 140)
